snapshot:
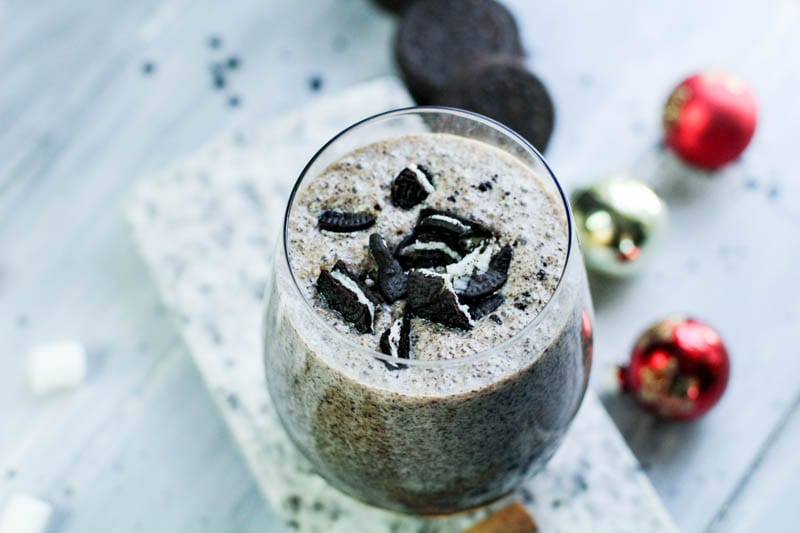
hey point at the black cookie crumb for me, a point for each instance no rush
(496, 319)
(218, 76)
(315, 83)
(344, 222)
(233, 62)
(293, 502)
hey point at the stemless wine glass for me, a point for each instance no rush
(451, 434)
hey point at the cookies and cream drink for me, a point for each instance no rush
(428, 333)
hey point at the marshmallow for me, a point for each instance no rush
(25, 514)
(56, 367)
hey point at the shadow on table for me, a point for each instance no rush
(654, 441)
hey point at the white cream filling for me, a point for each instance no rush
(351, 286)
(394, 337)
(455, 222)
(478, 259)
(423, 180)
(433, 245)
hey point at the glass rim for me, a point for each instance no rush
(469, 115)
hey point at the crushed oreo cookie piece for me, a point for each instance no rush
(348, 296)
(485, 279)
(475, 227)
(449, 227)
(496, 319)
(431, 296)
(501, 261)
(475, 262)
(391, 278)
(396, 342)
(411, 186)
(344, 222)
(443, 224)
(483, 284)
(362, 282)
(426, 254)
(481, 308)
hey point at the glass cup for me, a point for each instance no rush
(468, 441)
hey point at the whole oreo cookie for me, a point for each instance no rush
(503, 90)
(437, 38)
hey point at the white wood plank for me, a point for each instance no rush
(767, 499)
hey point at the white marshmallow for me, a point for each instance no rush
(56, 367)
(25, 514)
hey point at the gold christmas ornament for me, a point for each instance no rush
(618, 219)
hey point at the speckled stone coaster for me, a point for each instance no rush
(207, 226)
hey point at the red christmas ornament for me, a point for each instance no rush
(709, 119)
(679, 368)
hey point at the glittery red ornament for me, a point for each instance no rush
(709, 119)
(679, 368)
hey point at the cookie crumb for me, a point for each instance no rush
(315, 83)
(232, 63)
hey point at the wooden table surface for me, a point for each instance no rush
(141, 447)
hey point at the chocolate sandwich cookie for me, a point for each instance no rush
(437, 38)
(346, 294)
(395, 6)
(344, 222)
(503, 90)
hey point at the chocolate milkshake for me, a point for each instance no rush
(428, 333)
